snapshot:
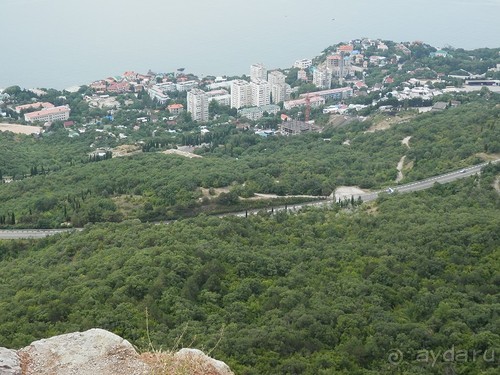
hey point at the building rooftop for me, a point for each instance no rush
(20, 108)
(47, 111)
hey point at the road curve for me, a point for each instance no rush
(407, 188)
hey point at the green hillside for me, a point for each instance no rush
(154, 186)
(321, 292)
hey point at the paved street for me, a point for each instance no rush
(407, 188)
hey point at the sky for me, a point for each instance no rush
(61, 43)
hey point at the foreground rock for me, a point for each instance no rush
(96, 352)
(10, 363)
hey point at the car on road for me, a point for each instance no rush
(390, 190)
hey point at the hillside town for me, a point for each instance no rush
(349, 79)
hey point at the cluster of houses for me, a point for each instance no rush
(338, 76)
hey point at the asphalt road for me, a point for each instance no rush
(16, 234)
(428, 183)
(407, 188)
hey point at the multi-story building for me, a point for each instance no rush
(302, 75)
(322, 78)
(197, 104)
(175, 108)
(314, 102)
(220, 96)
(256, 113)
(335, 94)
(261, 92)
(275, 77)
(258, 72)
(186, 85)
(241, 94)
(279, 88)
(159, 93)
(49, 114)
(303, 64)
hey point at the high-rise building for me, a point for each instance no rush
(322, 78)
(241, 94)
(279, 88)
(261, 92)
(275, 77)
(197, 104)
(257, 72)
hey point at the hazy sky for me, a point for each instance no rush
(59, 43)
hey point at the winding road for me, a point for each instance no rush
(407, 188)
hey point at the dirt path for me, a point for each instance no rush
(406, 141)
(182, 153)
(496, 185)
(400, 169)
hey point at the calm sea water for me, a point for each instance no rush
(60, 43)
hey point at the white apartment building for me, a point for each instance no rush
(186, 85)
(303, 64)
(258, 72)
(158, 93)
(220, 96)
(275, 77)
(60, 113)
(280, 90)
(261, 93)
(197, 104)
(241, 94)
(322, 78)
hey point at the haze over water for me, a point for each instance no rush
(60, 43)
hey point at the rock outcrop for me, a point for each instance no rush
(10, 363)
(98, 351)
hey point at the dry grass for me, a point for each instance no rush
(184, 362)
(381, 122)
(169, 363)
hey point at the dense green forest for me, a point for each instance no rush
(385, 287)
(320, 292)
(153, 186)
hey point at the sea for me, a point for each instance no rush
(63, 43)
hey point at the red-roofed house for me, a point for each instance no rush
(345, 48)
(119, 87)
(175, 109)
(360, 85)
(389, 80)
